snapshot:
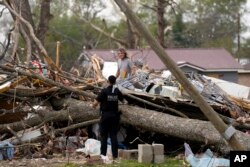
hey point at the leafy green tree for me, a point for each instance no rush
(159, 18)
(74, 35)
(77, 24)
(208, 23)
(245, 49)
(178, 33)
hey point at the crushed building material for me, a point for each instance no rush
(157, 104)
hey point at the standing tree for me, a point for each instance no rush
(23, 13)
(211, 23)
(160, 8)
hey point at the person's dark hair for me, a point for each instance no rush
(123, 51)
(112, 79)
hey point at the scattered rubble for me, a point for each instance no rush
(46, 112)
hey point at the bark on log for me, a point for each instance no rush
(187, 129)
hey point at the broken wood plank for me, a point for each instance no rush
(49, 81)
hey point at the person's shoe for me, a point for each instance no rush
(106, 159)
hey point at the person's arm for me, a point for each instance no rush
(95, 104)
(117, 73)
(121, 97)
(98, 99)
(118, 69)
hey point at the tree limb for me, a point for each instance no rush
(47, 80)
(7, 46)
(124, 43)
(36, 40)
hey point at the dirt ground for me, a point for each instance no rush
(43, 162)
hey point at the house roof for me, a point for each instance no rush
(215, 59)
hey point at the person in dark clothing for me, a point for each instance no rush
(110, 115)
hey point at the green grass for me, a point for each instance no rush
(169, 162)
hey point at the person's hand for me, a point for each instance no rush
(92, 105)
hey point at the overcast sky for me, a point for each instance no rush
(246, 20)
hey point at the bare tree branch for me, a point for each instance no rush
(36, 40)
(7, 46)
(124, 43)
(28, 45)
(1, 13)
(49, 81)
(45, 17)
(15, 37)
(67, 37)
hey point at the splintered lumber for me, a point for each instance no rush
(214, 94)
(149, 120)
(49, 81)
(29, 92)
(244, 103)
(36, 92)
(97, 67)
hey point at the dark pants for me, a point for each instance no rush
(108, 128)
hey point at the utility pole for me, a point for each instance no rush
(222, 128)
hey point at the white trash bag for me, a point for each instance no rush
(92, 147)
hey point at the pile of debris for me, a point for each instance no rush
(49, 109)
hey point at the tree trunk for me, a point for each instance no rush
(132, 35)
(45, 17)
(161, 21)
(22, 7)
(186, 129)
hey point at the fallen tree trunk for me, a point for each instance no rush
(187, 129)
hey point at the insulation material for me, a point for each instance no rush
(109, 68)
(231, 88)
